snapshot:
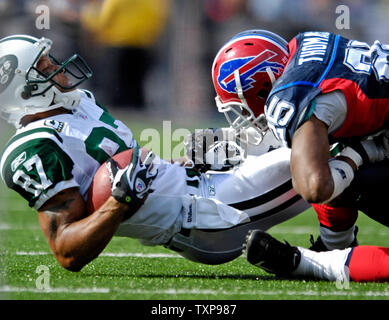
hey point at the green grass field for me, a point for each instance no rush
(128, 270)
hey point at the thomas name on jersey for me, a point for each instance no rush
(314, 47)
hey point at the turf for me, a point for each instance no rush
(128, 270)
(148, 276)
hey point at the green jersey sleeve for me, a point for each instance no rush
(37, 168)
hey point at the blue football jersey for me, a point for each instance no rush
(322, 62)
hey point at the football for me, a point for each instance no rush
(100, 188)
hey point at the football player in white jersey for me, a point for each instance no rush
(63, 136)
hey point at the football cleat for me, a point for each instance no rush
(319, 246)
(271, 255)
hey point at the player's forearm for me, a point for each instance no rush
(80, 242)
(309, 162)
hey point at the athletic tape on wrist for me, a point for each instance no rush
(353, 155)
(342, 175)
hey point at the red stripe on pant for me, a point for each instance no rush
(369, 264)
(336, 218)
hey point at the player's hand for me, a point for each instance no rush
(131, 185)
(373, 148)
(377, 146)
(384, 140)
(198, 143)
(210, 149)
(223, 155)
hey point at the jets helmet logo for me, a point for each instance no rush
(8, 64)
(247, 67)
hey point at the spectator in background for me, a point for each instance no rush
(63, 27)
(127, 31)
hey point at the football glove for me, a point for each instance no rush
(373, 148)
(223, 155)
(213, 149)
(131, 185)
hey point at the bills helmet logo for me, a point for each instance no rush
(247, 67)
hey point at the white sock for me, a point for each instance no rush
(327, 265)
(337, 240)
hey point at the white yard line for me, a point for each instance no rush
(6, 226)
(294, 230)
(107, 254)
(172, 291)
(140, 255)
(32, 253)
(55, 290)
(259, 292)
(367, 230)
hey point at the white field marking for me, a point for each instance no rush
(315, 230)
(367, 230)
(172, 291)
(275, 229)
(6, 226)
(32, 253)
(55, 290)
(257, 292)
(293, 230)
(107, 254)
(140, 255)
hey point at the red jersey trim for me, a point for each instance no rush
(364, 115)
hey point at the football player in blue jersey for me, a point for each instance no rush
(316, 90)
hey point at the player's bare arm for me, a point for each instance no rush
(311, 174)
(74, 238)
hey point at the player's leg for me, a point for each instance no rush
(266, 252)
(371, 183)
(369, 263)
(359, 264)
(363, 263)
(337, 227)
(261, 186)
(367, 194)
(211, 231)
(215, 223)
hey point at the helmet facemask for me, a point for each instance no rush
(75, 67)
(243, 73)
(239, 115)
(32, 90)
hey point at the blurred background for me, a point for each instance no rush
(153, 57)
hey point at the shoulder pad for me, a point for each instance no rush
(33, 163)
(89, 94)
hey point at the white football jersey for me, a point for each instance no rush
(63, 151)
(258, 190)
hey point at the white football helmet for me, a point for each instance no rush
(26, 90)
